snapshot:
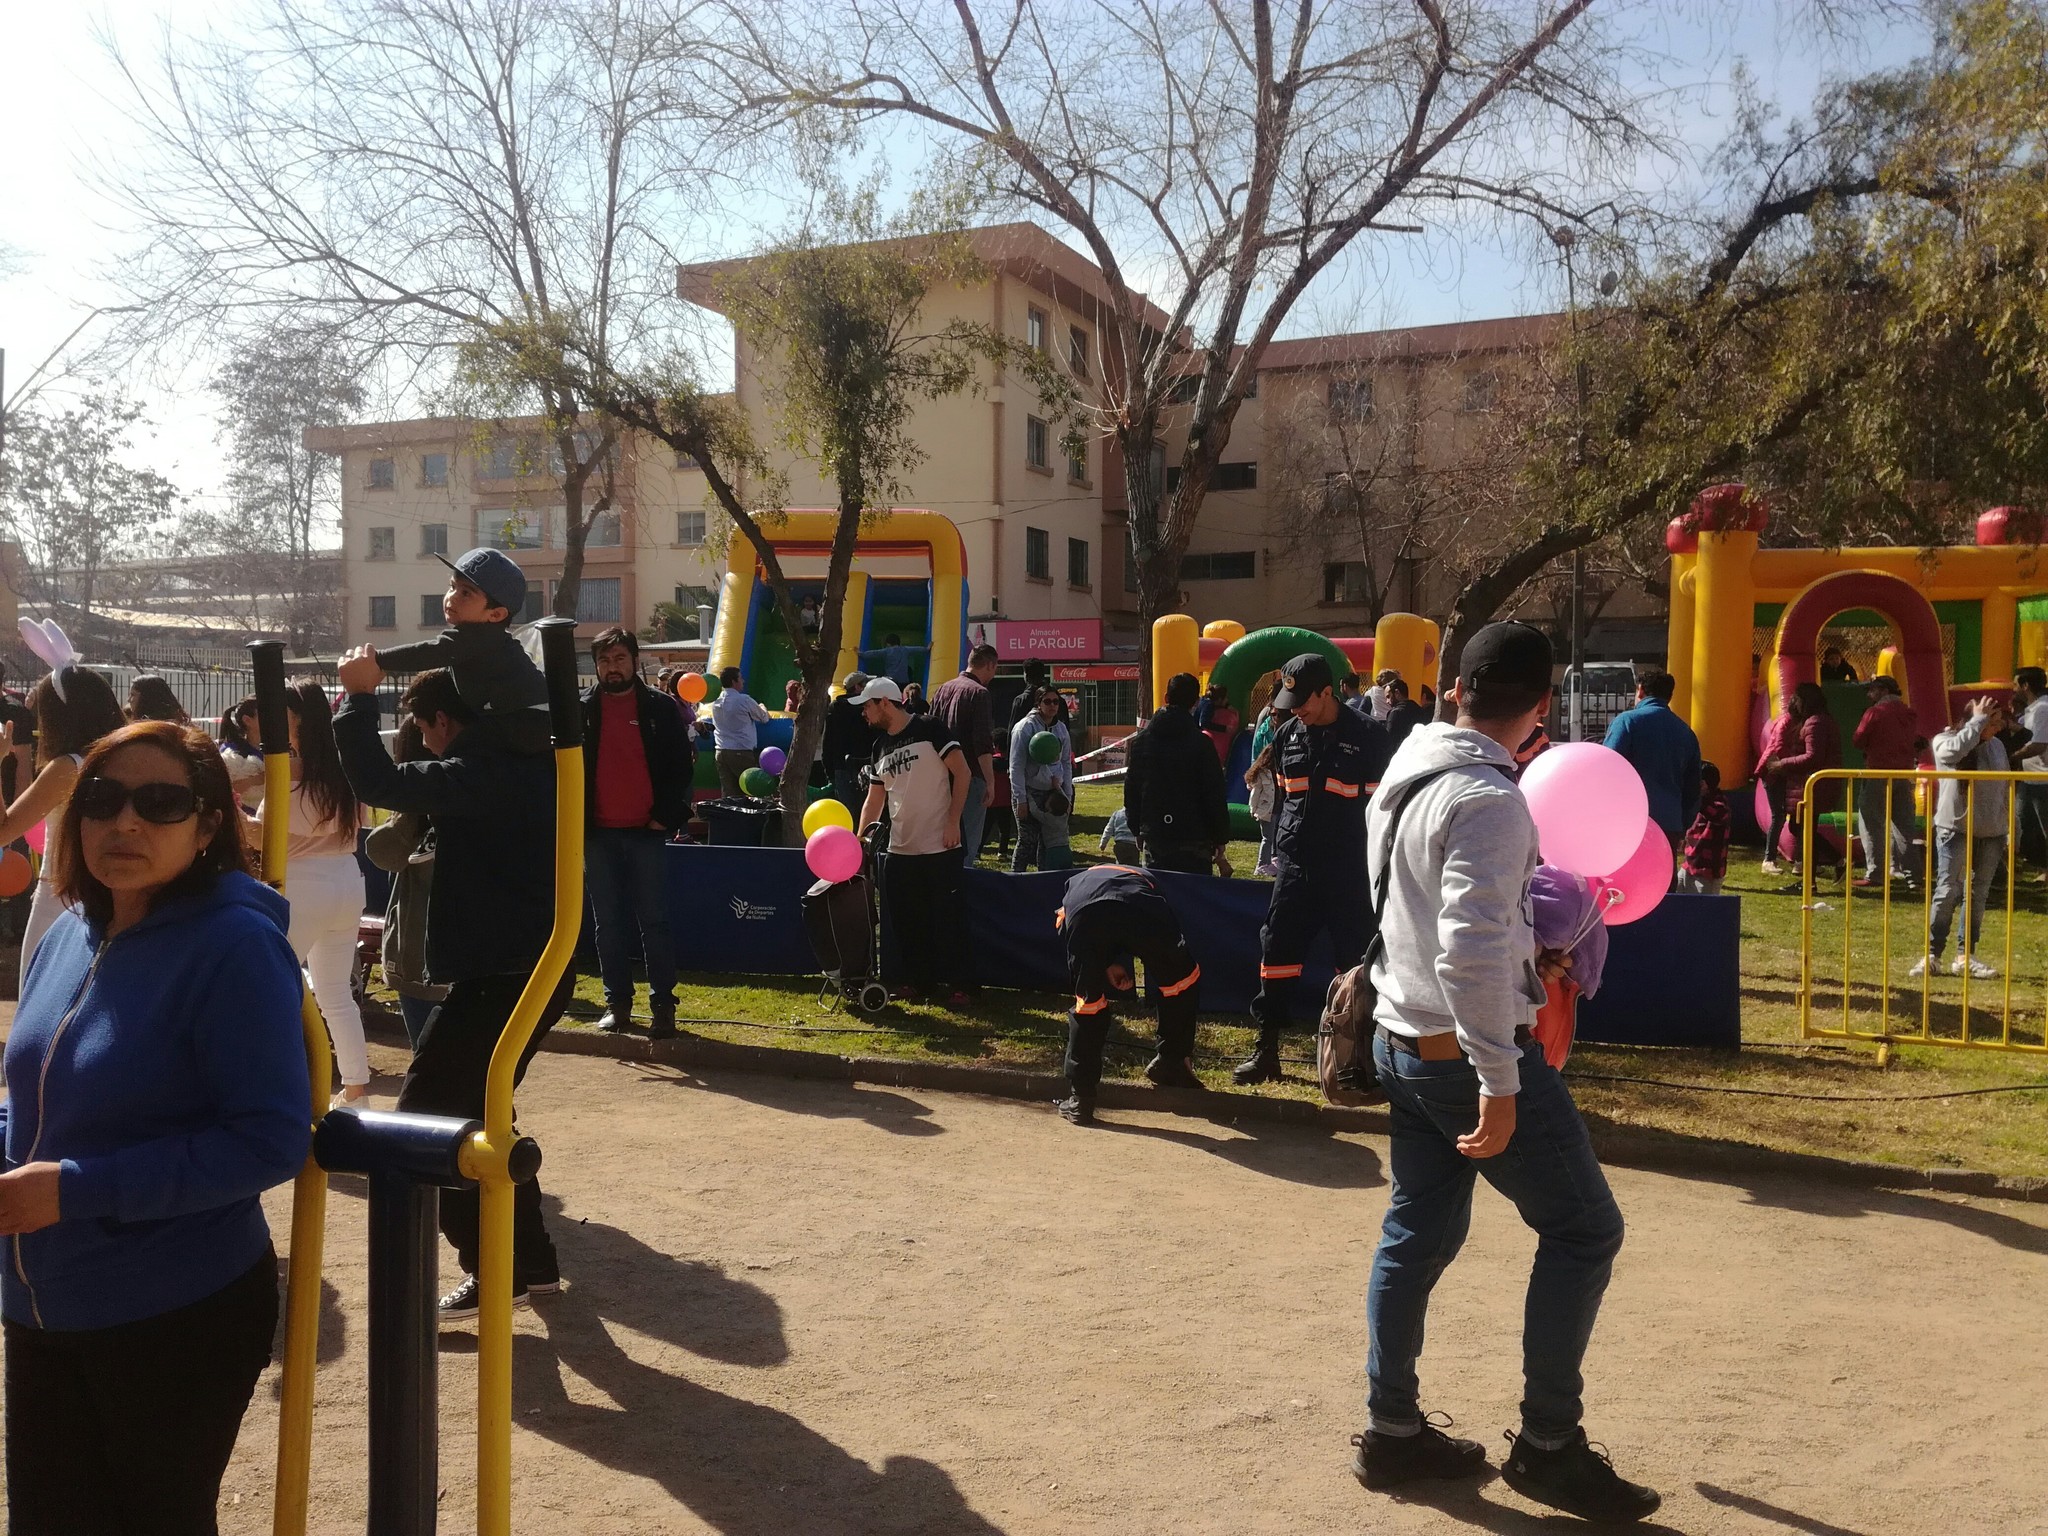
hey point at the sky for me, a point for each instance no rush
(68, 109)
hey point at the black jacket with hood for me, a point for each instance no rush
(1173, 785)
(671, 759)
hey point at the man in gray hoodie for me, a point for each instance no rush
(1456, 971)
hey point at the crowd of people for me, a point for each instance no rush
(158, 1082)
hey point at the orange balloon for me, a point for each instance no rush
(691, 687)
(15, 874)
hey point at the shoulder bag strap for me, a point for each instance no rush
(1376, 945)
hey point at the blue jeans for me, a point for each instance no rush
(1948, 887)
(622, 871)
(973, 816)
(414, 1011)
(1548, 1170)
(1870, 817)
(2034, 815)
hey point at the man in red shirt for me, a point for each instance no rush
(638, 764)
(1889, 737)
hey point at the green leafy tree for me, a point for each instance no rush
(74, 502)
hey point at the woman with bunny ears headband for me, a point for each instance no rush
(74, 708)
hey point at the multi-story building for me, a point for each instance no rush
(1364, 475)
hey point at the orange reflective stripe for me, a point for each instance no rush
(1339, 787)
(1278, 972)
(1082, 1005)
(1184, 983)
(1294, 786)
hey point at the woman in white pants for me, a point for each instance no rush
(69, 719)
(324, 882)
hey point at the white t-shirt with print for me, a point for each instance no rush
(911, 766)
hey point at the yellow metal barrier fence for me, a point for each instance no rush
(1932, 1011)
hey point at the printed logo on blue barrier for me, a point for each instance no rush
(751, 912)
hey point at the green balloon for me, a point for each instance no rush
(1044, 747)
(758, 782)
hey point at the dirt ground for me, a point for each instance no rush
(812, 1308)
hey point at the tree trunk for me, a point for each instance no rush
(1487, 593)
(817, 659)
(569, 588)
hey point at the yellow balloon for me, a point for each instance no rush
(826, 813)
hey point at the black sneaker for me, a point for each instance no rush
(616, 1021)
(663, 1027)
(1386, 1461)
(1171, 1074)
(1076, 1110)
(460, 1304)
(1578, 1479)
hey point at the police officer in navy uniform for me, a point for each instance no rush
(1327, 758)
(1114, 913)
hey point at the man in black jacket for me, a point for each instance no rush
(849, 743)
(1173, 787)
(488, 919)
(637, 763)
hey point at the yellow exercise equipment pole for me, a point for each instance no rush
(309, 1192)
(494, 1157)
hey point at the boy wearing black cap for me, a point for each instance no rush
(1327, 759)
(493, 674)
(1469, 1093)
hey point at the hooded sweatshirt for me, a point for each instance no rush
(164, 1070)
(1459, 937)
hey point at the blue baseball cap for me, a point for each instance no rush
(495, 574)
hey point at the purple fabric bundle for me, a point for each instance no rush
(1566, 919)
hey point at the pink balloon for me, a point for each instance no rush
(1634, 890)
(1589, 805)
(35, 838)
(833, 853)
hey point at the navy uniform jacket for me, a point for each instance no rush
(1113, 911)
(1326, 775)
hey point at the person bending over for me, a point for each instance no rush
(1112, 914)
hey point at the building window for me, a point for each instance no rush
(383, 474)
(690, 529)
(1345, 581)
(383, 543)
(1480, 390)
(505, 461)
(433, 469)
(1237, 565)
(433, 538)
(597, 599)
(1185, 388)
(1077, 563)
(431, 616)
(383, 613)
(1034, 329)
(605, 531)
(1037, 554)
(536, 606)
(512, 528)
(1235, 477)
(1077, 466)
(1351, 399)
(1035, 435)
(1077, 351)
(685, 460)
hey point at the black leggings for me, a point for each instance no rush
(126, 1431)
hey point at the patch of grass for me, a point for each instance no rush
(2002, 1132)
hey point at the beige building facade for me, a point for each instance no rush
(1338, 497)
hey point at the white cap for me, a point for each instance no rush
(879, 688)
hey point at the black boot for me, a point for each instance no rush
(1167, 1072)
(1077, 1108)
(664, 1025)
(1578, 1479)
(1386, 1461)
(1263, 1065)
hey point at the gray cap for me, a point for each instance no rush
(495, 574)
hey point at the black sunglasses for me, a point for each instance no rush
(100, 799)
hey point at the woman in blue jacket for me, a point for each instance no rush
(157, 1086)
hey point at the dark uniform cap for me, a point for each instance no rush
(1302, 679)
(1507, 653)
(495, 574)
